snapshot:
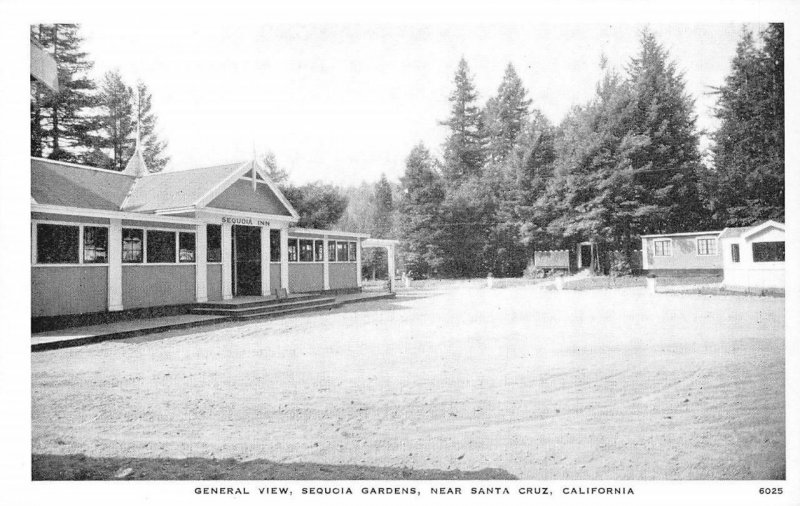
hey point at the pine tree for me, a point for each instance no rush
(383, 213)
(278, 174)
(665, 158)
(62, 123)
(146, 119)
(463, 150)
(506, 115)
(422, 195)
(117, 121)
(749, 174)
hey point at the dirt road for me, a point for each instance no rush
(609, 384)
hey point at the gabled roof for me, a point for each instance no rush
(175, 189)
(80, 186)
(733, 232)
(71, 185)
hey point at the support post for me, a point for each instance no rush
(390, 256)
(326, 268)
(200, 264)
(265, 247)
(285, 258)
(115, 265)
(358, 263)
(227, 255)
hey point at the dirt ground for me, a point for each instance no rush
(604, 384)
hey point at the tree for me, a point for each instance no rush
(463, 149)
(117, 121)
(748, 178)
(422, 194)
(153, 147)
(62, 122)
(506, 115)
(278, 174)
(319, 204)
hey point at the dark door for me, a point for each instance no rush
(586, 256)
(246, 260)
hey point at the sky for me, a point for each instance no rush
(343, 103)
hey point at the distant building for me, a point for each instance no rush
(686, 253)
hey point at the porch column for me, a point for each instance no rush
(326, 268)
(265, 247)
(115, 265)
(390, 256)
(227, 254)
(358, 262)
(285, 258)
(200, 266)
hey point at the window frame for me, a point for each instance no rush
(147, 253)
(275, 245)
(210, 262)
(736, 254)
(300, 241)
(80, 224)
(352, 251)
(666, 240)
(194, 246)
(346, 249)
(331, 249)
(176, 232)
(697, 246)
(296, 250)
(83, 244)
(321, 244)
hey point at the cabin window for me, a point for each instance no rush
(706, 247)
(57, 244)
(306, 250)
(351, 251)
(318, 253)
(213, 243)
(663, 248)
(735, 253)
(160, 247)
(95, 245)
(293, 250)
(774, 251)
(274, 245)
(186, 247)
(331, 251)
(132, 245)
(341, 251)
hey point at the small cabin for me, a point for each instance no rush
(682, 254)
(754, 257)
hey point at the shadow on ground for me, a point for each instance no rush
(80, 467)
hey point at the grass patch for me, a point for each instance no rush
(81, 467)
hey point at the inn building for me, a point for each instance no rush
(105, 241)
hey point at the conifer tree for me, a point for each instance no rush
(422, 195)
(464, 149)
(62, 123)
(117, 121)
(506, 115)
(748, 177)
(153, 147)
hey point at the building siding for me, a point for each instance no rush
(214, 282)
(157, 285)
(241, 197)
(274, 276)
(306, 277)
(68, 290)
(684, 255)
(343, 275)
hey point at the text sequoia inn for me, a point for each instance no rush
(111, 241)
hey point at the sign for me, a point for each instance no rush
(244, 221)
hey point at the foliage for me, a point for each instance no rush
(153, 148)
(747, 183)
(319, 204)
(117, 122)
(463, 151)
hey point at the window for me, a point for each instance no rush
(331, 251)
(95, 245)
(341, 251)
(735, 253)
(663, 248)
(351, 251)
(57, 244)
(274, 245)
(293, 250)
(160, 247)
(186, 247)
(306, 250)
(132, 241)
(213, 243)
(318, 256)
(769, 251)
(706, 247)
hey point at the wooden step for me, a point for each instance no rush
(287, 311)
(264, 307)
(234, 304)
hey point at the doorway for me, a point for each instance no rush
(246, 260)
(585, 256)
